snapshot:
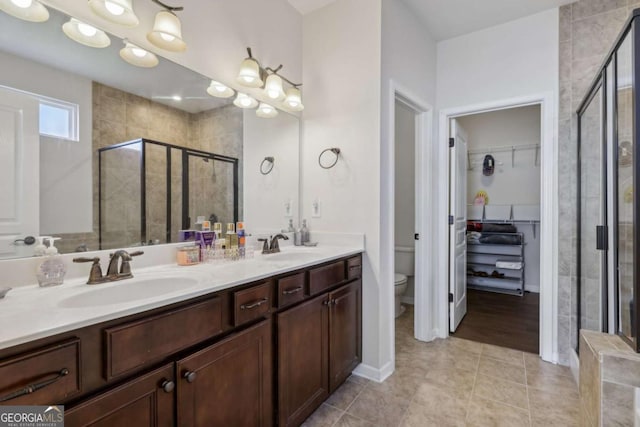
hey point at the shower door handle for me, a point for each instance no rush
(601, 237)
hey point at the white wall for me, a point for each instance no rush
(217, 34)
(510, 60)
(264, 204)
(405, 135)
(66, 203)
(516, 182)
(341, 73)
(409, 56)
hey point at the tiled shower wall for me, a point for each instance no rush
(120, 116)
(588, 29)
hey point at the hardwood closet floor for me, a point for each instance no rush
(502, 320)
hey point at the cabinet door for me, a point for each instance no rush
(345, 332)
(303, 351)
(228, 383)
(145, 401)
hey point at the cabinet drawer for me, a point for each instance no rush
(145, 401)
(133, 345)
(290, 289)
(324, 277)
(54, 372)
(251, 303)
(354, 267)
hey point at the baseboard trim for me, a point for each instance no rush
(374, 374)
(574, 364)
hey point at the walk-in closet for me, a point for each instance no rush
(503, 227)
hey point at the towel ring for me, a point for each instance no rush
(270, 161)
(335, 151)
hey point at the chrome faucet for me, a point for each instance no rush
(96, 277)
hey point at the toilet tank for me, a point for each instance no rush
(405, 260)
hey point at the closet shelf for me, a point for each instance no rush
(482, 264)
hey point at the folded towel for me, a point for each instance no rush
(510, 265)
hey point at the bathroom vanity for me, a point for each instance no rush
(265, 347)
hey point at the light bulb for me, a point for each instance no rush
(167, 37)
(140, 53)
(176, 98)
(23, 4)
(86, 29)
(114, 9)
(245, 101)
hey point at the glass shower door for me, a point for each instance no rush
(592, 273)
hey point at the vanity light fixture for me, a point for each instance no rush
(266, 111)
(245, 101)
(219, 90)
(27, 10)
(293, 99)
(251, 75)
(251, 72)
(167, 32)
(116, 11)
(273, 87)
(137, 56)
(85, 34)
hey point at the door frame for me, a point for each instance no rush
(424, 155)
(548, 216)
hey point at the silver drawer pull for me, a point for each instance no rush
(254, 304)
(292, 291)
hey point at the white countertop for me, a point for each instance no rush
(28, 313)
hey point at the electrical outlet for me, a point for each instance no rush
(315, 209)
(288, 210)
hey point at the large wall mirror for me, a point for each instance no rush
(105, 154)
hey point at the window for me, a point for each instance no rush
(58, 119)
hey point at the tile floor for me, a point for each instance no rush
(456, 382)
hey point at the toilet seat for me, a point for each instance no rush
(399, 279)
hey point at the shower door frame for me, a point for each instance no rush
(185, 153)
(632, 29)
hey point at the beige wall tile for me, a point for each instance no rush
(617, 404)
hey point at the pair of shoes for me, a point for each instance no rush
(497, 275)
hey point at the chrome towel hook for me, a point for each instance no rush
(335, 151)
(269, 165)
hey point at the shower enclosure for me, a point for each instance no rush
(149, 190)
(608, 235)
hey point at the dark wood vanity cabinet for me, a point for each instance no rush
(228, 383)
(255, 355)
(319, 345)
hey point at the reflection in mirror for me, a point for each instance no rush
(79, 103)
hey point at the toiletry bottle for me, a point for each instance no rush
(242, 240)
(52, 270)
(305, 232)
(291, 229)
(297, 237)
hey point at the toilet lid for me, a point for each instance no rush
(399, 278)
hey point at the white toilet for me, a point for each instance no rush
(405, 264)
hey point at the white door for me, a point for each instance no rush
(19, 172)
(458, 226)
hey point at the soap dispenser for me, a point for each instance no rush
(305, 237)
(41, 249)
(52, 270)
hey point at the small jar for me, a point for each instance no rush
(188, 255)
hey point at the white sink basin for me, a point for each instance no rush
(127, 290)
(289, 256)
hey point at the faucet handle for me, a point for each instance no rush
(95, 275)
(265, 245)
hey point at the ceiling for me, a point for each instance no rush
(446, 19)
